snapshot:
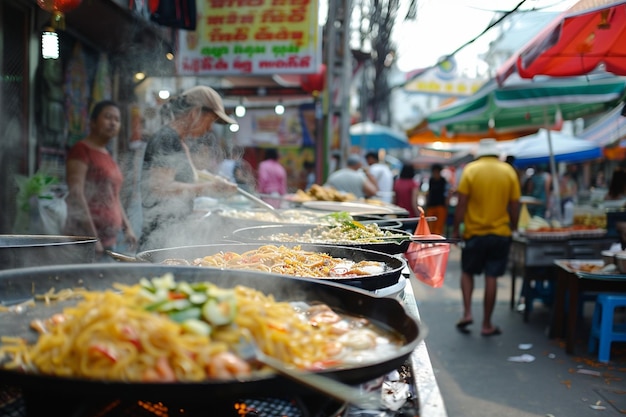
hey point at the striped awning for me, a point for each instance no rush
(609, 129)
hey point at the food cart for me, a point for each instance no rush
(411, 387)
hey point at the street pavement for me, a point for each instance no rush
(477, 377)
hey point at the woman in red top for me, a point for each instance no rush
(94, 181)
(406, 190)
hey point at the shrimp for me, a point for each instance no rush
(322, 314)
(162, 372)
(227, 365)
(359, 339)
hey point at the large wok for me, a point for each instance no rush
(19, 251)
(258, 234)
(385, 279)
(236, 219)
(20, 284)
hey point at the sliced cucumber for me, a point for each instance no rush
(221, 293)
(184, 315)
(195, 326)
(198, 298)
(219, 313)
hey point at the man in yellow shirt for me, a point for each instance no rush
(488, 206)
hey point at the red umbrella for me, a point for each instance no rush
(591, 34)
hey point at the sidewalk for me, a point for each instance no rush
(476, 377)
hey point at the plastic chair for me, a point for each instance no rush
(603, 330)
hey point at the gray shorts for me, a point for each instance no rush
(488, 254)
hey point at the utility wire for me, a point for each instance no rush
(445, 58)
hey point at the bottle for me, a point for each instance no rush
(568, 213)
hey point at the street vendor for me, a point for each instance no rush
(170, 179)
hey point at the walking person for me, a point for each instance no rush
(406, 189)
(437, 200)
(406, 192)
(382, 175)
(488, 207)
(272, 178)
(352, 179)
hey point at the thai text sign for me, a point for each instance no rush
(245, 37)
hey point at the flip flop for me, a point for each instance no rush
(495, 332)
(462, 325)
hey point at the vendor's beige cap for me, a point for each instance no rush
(203, 96)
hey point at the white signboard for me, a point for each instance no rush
(245, 37)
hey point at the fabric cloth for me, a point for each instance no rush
(103, 183)
(437, 192)
(436, 204)
(403, 189)
(538, 190)
(348, 181)
(488, 254)
(206, 97)
(384, 179)
(272, 177)
(490, 185)
(438, 226)
(164, 150)
(227, 169)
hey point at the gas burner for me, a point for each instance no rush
(298, 406)
(397, 391)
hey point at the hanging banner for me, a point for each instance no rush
(245, 37)
(444, 79)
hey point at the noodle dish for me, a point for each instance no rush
(166, 330)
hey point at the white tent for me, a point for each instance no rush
(535, 149)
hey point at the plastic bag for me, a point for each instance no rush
(41, 207)
(52, 213)
(428, 261)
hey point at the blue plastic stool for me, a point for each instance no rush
(603, 331)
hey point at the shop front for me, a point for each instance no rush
(45, 102)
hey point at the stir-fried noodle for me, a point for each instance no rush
(162, 330)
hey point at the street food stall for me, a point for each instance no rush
(532, 258)
(576, 282)
(404, 384)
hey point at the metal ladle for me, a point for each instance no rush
(259, 202)
(264, 205)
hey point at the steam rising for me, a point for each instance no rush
(169, 221)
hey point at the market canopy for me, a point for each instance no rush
(368, 135)
(525, 104)
(422, 135)
(535, 149)
(580, 43)
(608, 129)
(587, 37)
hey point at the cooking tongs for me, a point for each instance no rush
(264, 205)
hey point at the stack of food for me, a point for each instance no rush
(540, 228)
(320, 193)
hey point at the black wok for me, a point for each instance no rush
(19, 251)
(259, 234)
(368, 282)
(19, 284)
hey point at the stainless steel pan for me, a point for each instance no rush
(258, 234)
(19, 251)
